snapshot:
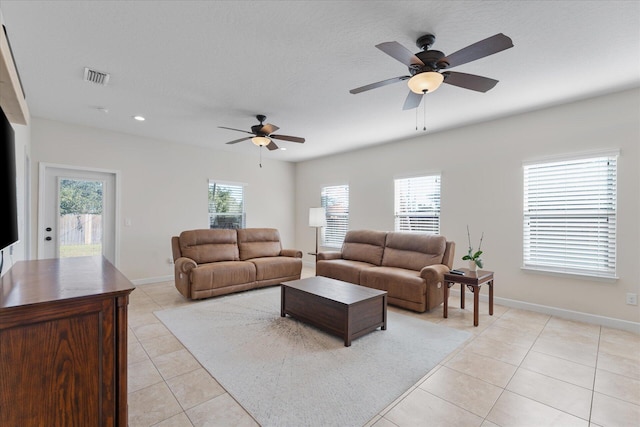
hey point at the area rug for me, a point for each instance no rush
(286, 373)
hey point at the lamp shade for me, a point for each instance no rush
(425, 82)
(317, 217)
(260, 141)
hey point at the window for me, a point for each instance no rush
(226, 205)
(417, 204)
(570, 216)
(335, 201)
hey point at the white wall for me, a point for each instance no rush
(164, 188)
(481, 167)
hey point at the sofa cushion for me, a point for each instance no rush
(221, 274)
(258, 242)
(413, 250)
(398, 282)
(342, 269)
(276, 267)
(205, 245)
(364, 245)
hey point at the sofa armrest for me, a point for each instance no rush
(329, 255)
(293, 253)
(434, 274)
(182, 267)
(185, 265)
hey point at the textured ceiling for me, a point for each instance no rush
(191, 66)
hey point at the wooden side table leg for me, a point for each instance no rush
(491, 297)
(445, 308)
(461, 295)
(476, 292)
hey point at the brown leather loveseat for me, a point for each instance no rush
(409, 266)
(217, 262)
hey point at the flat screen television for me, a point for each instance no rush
(9, 217)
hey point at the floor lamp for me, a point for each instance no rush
(317, 219)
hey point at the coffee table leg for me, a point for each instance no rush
(282, 290)
(445, 310)
(384, 313)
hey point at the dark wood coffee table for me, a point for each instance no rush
(340, 308)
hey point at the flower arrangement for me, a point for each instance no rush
(474, 256)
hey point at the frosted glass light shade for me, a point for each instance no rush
(425, 82)
(260, 140)
(317, 217)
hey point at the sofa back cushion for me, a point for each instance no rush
(413, 251)
(205, 245)
(364, 245)
(258, 242)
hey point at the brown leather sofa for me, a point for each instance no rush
(216, 262)
(409, 266)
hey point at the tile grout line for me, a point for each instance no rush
(595, 373)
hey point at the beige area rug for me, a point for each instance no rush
(286, 373)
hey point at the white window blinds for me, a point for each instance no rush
(570, 216)
(226, 205)
(417, 204)
(335, 201)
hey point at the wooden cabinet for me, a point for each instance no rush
(63, 343)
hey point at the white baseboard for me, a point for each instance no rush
(149, 280)
(578, 316)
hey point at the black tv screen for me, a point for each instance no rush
(9, 222)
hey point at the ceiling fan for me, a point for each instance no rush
(263, 134)
(425, 67)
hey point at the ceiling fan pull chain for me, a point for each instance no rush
(424, 111)
(416, 119)
(261, 156)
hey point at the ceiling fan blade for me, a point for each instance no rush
(469, 81)
(287, 138)
(239, 130)
(399, 52)
(378, 84)
(486, 47)
(235, 141)
(268, 129)
(412, 101)
(272, 146)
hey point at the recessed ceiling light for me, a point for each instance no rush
(283, 148)
(139, 118)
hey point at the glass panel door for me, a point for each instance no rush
(80, 223)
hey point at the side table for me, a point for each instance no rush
(472, 280)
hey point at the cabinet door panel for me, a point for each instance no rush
(52, 367)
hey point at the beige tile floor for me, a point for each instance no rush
(520, 368)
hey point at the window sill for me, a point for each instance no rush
(567, 274)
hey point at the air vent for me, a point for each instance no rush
(97, 77)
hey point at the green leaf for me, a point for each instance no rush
(479, 263)
(466, 257)
(477, 255)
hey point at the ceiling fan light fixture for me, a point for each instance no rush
(261, 141)
(425, 82)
